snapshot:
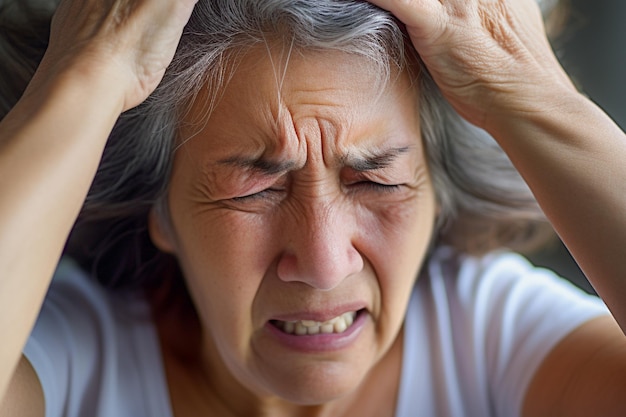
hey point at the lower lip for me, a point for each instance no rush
(320, 343)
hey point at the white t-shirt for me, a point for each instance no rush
(475, 332)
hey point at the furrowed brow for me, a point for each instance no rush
(263, 166)
(375, 160)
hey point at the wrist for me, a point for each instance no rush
(76, 106)
(78, 83)
(538, 112)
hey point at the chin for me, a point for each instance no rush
(317, 384)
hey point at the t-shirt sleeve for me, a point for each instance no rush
(522, 312)
(66, 341)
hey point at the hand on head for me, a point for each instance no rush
(485, 55)
(130, 42)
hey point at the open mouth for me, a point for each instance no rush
(335, 325)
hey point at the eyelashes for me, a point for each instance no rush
(357, 187)
(260, 195)
(377, 187)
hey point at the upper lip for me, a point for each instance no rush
(320, 315)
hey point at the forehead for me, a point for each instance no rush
(276, 96)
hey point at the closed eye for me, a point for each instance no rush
(259, 195)
(376, 186)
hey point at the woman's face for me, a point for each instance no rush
(301, 211)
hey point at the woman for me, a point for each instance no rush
(297, 169)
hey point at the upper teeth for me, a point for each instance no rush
(303, 327)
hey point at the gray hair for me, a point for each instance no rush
(484, 202)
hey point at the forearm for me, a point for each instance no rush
(573, 158)
(50, 147)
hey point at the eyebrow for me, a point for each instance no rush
(264, 166)
(373, 160)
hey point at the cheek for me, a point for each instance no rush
(224, 256)
(398, 233)
(395, 240)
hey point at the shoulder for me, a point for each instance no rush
(79, 314)
(94, 352)
(517, 309)
(73, 290)
(75, 317)
(583, 375)
(489, 322)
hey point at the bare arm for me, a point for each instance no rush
(47, 161)
(573, 160)
(25, 396)
(52, 141)
(493, 63)
(582, 376)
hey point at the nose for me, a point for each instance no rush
(320, 249)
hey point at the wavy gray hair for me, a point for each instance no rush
(484, 202)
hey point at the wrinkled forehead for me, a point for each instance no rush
(269, 87)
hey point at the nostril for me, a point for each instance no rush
(287, 267)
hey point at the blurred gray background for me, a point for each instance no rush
(594, 52)
(592, 49)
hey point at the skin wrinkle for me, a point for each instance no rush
(286, 133)
(283, 135)
(505, 36)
